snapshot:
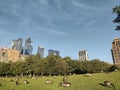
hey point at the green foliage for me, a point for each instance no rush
(67, 58)
(98, 66)
(52, 65)
(72, 66)
(116, 10)
(5, 69)
(86, 66)
(17, 68)
(113, 68)
(55, 65)
(39, 67)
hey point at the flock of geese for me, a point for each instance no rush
(67, 84)
(64, 83)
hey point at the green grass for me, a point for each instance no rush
(78, 82)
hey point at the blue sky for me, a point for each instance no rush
(64, 25)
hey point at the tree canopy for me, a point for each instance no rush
(116, 10)
(53, 65)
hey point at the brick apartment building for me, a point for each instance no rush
(7, 54)
(116, 51)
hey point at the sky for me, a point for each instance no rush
(64, 25)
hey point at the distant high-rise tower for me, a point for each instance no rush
(116, 51)
(40, 51)
(17, 45)
(28, 47)
(83, 55)
(53, 52)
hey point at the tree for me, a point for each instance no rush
(50, 64)
(28, 67)
(5, 69)
(98, 66)
(73, 66)
(85, 66)
(113, 68)
(60, 67)
(17, 68)
(55, 65)
(34, 57)
(67, 58)
(116, 10)
(39, 67)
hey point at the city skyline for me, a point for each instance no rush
(64, 25)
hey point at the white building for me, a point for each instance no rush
(83, 55)
(40, 51)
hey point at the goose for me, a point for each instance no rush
(65, 78)
(65, 84)
(108, 84)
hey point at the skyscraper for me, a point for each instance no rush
(53, 52)
(17, 44)
(83, 55)
(40, 51)
(28, 47)
(116, 51)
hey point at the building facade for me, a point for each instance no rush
(17, 45)
(7, 54)
(28, 47)
(116, 51)
(53, 52)
(40, 51)
(83, 55)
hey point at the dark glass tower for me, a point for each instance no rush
(28, 47)
(53, 52)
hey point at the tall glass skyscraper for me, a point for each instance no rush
(40, 51)
(17, 44)
(28, 47)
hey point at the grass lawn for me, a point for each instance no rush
(78, 82)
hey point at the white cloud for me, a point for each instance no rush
(89, 24)
(51, 31)
(82, 5)
(56, 32)
(90, 7)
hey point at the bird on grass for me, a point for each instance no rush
(108, 84)
(64, 84)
